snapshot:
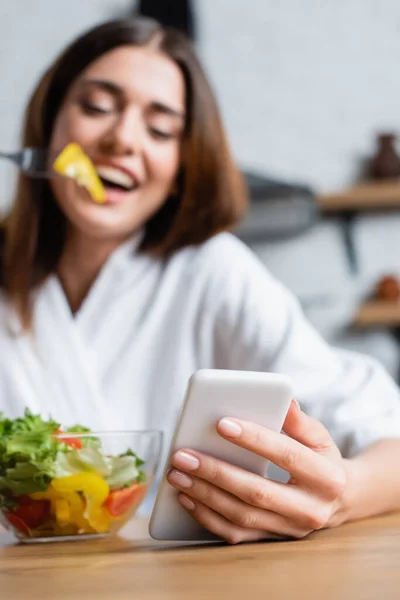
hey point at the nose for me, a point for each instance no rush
(125, 135)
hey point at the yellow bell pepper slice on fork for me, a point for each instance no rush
(74, 163)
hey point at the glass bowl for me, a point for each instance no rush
(100, 481)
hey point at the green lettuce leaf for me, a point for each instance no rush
(124, 471)
(32, 444)
(85, 459)
(28, 422)
(27, 454)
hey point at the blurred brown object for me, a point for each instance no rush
(388, 288)
(386, 162)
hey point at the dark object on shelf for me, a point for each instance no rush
(277, 209)
(170, 13)
(388, 288)
(386, 162)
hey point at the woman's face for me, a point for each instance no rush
(127, 112)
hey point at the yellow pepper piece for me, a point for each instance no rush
(67, 508)
(49, 494)
(73, 162)
(63, 511)
(78, 508)
(90, 484)
(95, 491)
(98, 518)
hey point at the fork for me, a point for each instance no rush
(35, 162)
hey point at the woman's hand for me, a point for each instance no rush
(239, 506)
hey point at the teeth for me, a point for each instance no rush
(116, 176)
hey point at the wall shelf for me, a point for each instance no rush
(366, 196)
(378, 313)
(374, 195)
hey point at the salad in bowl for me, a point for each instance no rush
(57, 484)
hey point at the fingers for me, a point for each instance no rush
(307, 466)
(217, 524)
(290, 502)
(234, 510)
(309, 432)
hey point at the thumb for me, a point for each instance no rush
(309, 432)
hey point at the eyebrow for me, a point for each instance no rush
(167, 110)
(117, 90)
(109, 86)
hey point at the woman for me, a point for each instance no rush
(106, 310)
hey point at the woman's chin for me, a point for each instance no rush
(103, 220)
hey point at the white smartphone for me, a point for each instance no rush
(212, 394)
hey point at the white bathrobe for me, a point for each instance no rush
(123, 361)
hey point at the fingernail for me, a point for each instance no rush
(186, 502)
(180, 479)
(296, 405)
(229, 428)
(184, 460)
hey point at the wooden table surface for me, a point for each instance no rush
(358, 561)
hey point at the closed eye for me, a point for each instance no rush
(94, 109)
(162, 135)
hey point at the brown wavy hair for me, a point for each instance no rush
(211, 194)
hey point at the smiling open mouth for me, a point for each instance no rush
(116, 179)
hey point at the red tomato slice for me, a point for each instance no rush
(18, 523)
(119, 501)
(31, 512)
(72, 442)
